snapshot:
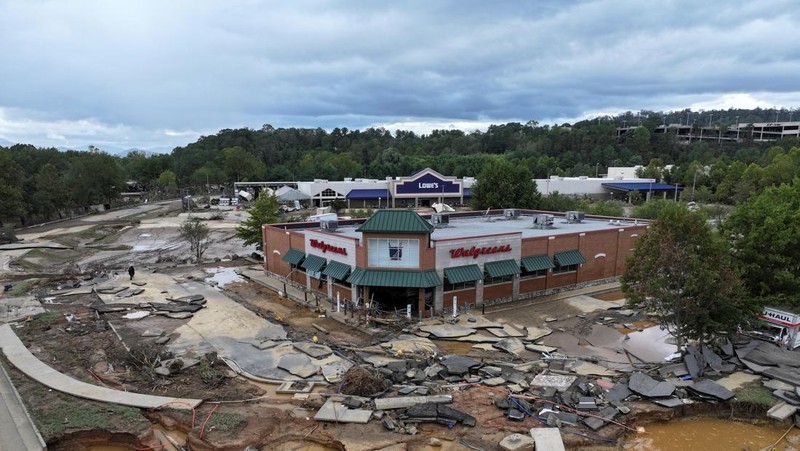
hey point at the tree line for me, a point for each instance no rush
(41, 184)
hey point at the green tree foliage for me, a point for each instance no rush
(605, 208)
(765, 240)
(197, 234)
(95, 178)
(503, 184)
(167, 182)
(682, 273)
(651, 210)
(556, 201)
(263, 211)
(241, 166)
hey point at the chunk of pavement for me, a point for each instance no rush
(291, 387)
(787, 396)
(515, 414)
(676, 369)
(313, 350)
(433, 370)
(266, 344)
(352, 403)
(489, 347)
(493, 381)
(550, 319)
(139, 284)
(535, 333)
(548, 439)
(410, 344)
(781, 411)
(710, 388)
(479, 337)
(516, 442)
(777, 385)
(298, 364)
(602, 336)
(670, 402)
(589, 369)
(111, 290)
(153, 333)
(511, 345)
(438, 412)
(447, 330)
(783, 374)
(407, 390)
(162, 371)
(129, 293)
(162, 340)
(332, 372)
(605, 415)
(512, 331)
(737, 380)
(647, 386)
(336, 411)
(388, 423)
(712, 358)
(559, 382)
(618, 393)
(586, 403)
(102, 308)
(459, 364)
(179, 315)
(178, 307)
(540, 348)
(188, 299)
(408, 401)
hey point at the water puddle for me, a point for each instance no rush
(711, 434)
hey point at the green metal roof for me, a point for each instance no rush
(568, 258)
(337, 270)
(537, 263)
(466, 273)
(293, 257)
(396, 221)
(314, 263)
(394, 278)
(502, 268)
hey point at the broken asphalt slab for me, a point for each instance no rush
(447, 330)
(336, 411)
(647, 386)
(710, 388)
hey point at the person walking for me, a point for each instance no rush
(131, 271)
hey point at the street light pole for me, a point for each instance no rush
(596, 169)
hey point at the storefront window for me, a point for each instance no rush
(566, 268)
(531, 274)
(458, 286)
(495, 280)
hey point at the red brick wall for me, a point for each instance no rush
(500, 290)
(464, 296)
(535, 284)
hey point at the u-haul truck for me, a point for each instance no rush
(779, 326)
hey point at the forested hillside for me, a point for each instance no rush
(42, 184)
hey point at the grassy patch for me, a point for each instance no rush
(755, 393)
(224, 421)
(21, 287)
(63, 414)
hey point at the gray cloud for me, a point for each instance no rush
(152, 74)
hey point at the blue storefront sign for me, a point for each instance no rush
(428, 184)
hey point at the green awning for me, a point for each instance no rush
(502, 268)
(568, 258)
(461, 274)
(313, 263)
(394, 278)
(293, 257)
(337, 270)
(537, 263)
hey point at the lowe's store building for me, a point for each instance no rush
(399, 258)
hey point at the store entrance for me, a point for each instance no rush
(395, 300)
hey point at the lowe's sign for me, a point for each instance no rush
(428, 184)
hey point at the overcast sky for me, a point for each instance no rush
(158, 74)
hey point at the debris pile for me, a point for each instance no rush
(361, 381)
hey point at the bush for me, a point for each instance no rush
(7, 234)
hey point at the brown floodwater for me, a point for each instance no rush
(710, 434)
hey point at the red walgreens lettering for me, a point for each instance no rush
(475, 252)
(325, 247)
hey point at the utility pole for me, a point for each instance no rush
(737, 128)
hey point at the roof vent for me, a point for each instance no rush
(329, 224)
(511, 213)
(574, 217)
(440, 220)
(543, 221)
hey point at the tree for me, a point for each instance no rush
(167, 181)
(652, 209)
(197, 234)
(682, 273)
(263, 211)
(606, 208)
(765, 240)
(503, 184)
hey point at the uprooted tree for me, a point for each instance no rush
(197, 234)
(681, 273)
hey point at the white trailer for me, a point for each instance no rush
(779, 326)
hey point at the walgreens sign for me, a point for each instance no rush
(475, 252)
(325, 247)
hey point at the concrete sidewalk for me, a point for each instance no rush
(16, 427)
(22, 359)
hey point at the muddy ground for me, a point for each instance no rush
(239, 414)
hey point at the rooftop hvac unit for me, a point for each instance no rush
(439, 219)
(574, 216)
(329, 224)
(543, 221)
(511, 213)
